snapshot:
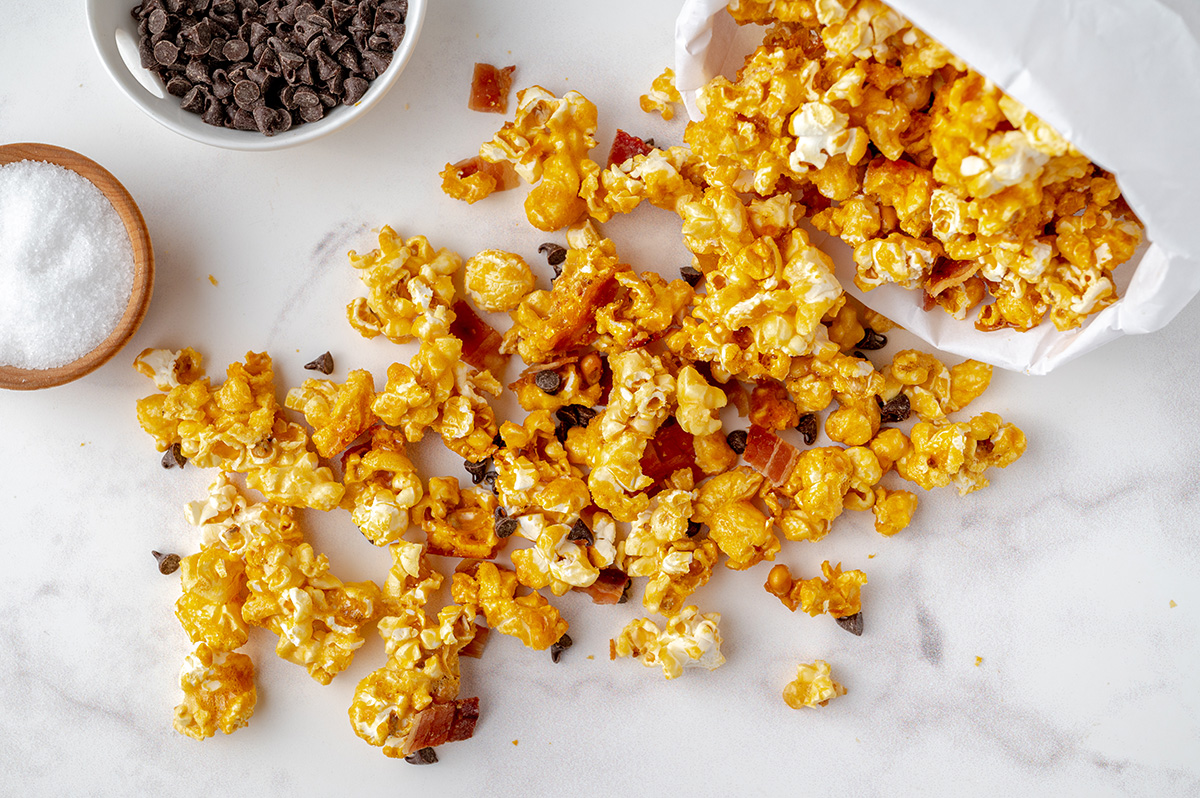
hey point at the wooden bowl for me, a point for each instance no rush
(143, 266)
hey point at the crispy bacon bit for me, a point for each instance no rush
(443, 722)
(769, 455)
(466, 715)
(671, 449)
(625, 146)
(948, 273)
(481, 344)
(478, 643)
(490, 87)
(505, 176)
(608, 587)
(572, 318)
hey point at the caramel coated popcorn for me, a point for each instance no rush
(671, 423)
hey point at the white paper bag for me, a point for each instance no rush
(1119, 78)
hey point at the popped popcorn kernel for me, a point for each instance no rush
(218, 692)
(338, 413)
(529, 618)
(382, 486)
(498, 280)
(813, 686)
(661, 96)
(688, 640)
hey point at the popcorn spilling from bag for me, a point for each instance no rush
(670, 425)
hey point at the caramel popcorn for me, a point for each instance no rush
(218, 692)
(689, 640)
(529, 618)
(338, 413)
(457, 523)
(554, 560)
(238, 426)
(498, 280)
(382, 486)
(661, 96)
(813, 686)
(959, 452)
(411, 289)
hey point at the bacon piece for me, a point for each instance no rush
(466, 715)
(671, 449)
(505, 176)
(769, 455)
(947, 273)
(625, 146)
(481, 344)
(608, 587)
(489, 88)
(443, 722)
(478, 643)
(574, 301)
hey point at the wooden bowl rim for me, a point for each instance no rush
(143, 266)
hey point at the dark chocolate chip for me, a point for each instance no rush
(477, 470)
(555, 255)
(179, 86)
(235, 50)
(691, 275)
(505, 527)
(323, 364)
(580, 531)
(245, 92)
(872, 340)
(852, 623)
(355, 89)
(693, 529)
(559, 646)
(549, 381)
(173, 457)
(625, 592)
(489, 479)
(649, 141)
(807, 426)
(500, 512)
(165, 53)
(894, 411)
(737, 440)
(167, 563)
(425, 756)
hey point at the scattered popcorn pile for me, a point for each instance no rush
(623, 467)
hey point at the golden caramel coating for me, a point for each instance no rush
(658, 547)
(933, 390)
(837, 593)
(497, 280)
(214, 590)
(529, 618)
(577, 385)
(893, 510)
(546, 143)
(554, 560)
(382, 486)
(337, 413)
(662, 94)
(813, 686)
(698, 403)
(960, 452)
(771, 407)
(410, 289)
(238, 427)
(218, 692)
(688, 640)
(659, 177)
(533, 471)
(457, 523)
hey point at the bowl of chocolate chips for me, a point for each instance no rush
(255, 74)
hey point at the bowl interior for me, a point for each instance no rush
(114, 33)
(143, 266)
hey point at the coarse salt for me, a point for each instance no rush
(66, 266)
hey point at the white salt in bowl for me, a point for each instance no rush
(143, 267)
(114, 33)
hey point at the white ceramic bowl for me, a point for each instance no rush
(114, 32)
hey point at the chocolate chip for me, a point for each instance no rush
(235, 50)
(549, 381)
(575, 415)
(555, 255)
(425, 756)
(691, 275)
(737, 440)
(165, 53)
(157, 21)
(355, 89)
(505, 527)
(498, 441)
(489, 479)
(807, 426)
(580, 531)
(173, 457)
(179, 86)
(872, 340)
(852, 623)
(625, 592)
(693, 529)
(245, 92)
(167, 563)
(894, 411)
(477, 470)
(322, 363)
(559, 646)
(500, 512)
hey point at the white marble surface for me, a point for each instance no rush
(1060, 576)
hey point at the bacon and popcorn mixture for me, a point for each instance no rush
(670, 425)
